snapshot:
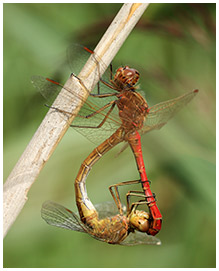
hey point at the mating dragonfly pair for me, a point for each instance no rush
(125, 116)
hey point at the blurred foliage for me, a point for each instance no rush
(173, 46)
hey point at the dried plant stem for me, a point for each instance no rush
(53, 127)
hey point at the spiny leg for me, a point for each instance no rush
(102, 122)
(108, 84)
(140, 194)
(103, 95)
(58, 109)
(98, 95)
(116, 195)
(112, 104)
(98, 84)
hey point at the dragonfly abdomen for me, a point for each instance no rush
(85, 206)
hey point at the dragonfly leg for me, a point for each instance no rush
(116, 195)
(98, 95)
(59, 110)
(108, 84)
(104, 95)
(98, 85)
(137, 203)
(137, 194)
(102, 122)
(80, 81)
(132, 193)
(112, 104)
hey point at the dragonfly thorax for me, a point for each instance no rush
(139, 220)
(126, 76)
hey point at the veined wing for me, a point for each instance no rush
(50, 89)
(108, 209)
(57, 215)
(140, 238)
(97, 135)
(77, 56)
(159, 114)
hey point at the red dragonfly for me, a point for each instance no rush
(133, 118)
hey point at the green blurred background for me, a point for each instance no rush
(173, 46)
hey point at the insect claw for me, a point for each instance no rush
(73, 75)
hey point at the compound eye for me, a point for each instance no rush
(140, 222)
(143, 225)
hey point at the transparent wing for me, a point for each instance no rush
(108, 209)
(159, 114)
(57, 215)
(97, 135)
(77, 56)
(50, 89)
(140, 238)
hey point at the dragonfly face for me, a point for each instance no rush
(140, 220)
(126, 76)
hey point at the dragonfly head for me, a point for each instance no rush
(139, 220)
(126, 76)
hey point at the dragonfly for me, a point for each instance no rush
(106, 224)
(126, 115)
